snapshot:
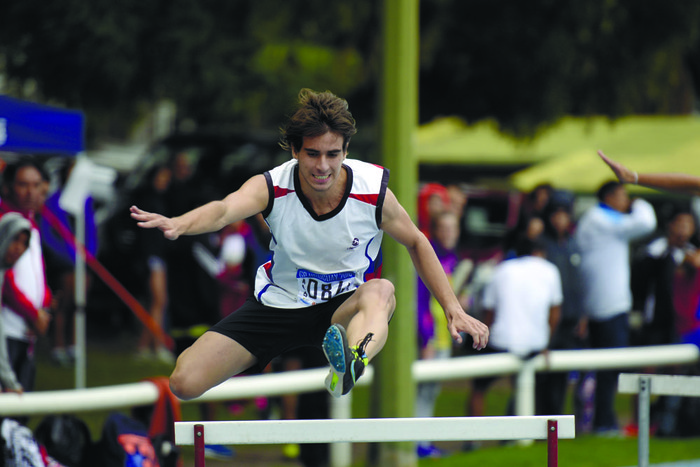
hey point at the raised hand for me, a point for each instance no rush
(622, 173)
(150, 220)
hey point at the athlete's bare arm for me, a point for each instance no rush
(676, 182)
(397, 223)
(250, 199)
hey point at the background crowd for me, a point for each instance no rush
(619, 272)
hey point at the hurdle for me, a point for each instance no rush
(374, 430)
(645, 385)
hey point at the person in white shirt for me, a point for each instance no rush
(522, 305)
(603, 235)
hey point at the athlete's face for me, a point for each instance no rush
(320, 162)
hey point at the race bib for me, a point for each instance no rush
(318, 288)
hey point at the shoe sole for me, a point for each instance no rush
(334, 345)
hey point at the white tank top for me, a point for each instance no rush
(316, 258)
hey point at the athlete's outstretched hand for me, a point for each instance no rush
(462, 322)
(150, 220)
(622, 173)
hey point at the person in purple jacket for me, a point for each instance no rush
(434, 340)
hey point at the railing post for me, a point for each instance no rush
(643, 420)
(341, 453)
(525, 393)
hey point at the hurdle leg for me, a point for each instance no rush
(552, 443)
(643, 422)
(199, 446)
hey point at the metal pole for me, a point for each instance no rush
(552, 443)
(399, 121)
(643, 416)
(80, 347)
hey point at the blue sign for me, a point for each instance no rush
(26, 127)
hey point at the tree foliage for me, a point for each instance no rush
(219, 60)
(529, 63)
(524, 64)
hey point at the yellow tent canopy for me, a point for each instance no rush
(565, 154)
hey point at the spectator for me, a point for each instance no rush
(533, 206)
(26, 295)
(686, 297)
(654, 277)
(193, 291)
(538, 200)
(563, 252)
(530, 228)
(153, 249)
(433, 338)
(458, 199)
(658, 274)
(15, 231)
(522, 303)
(59, 258)
(237, 265)
(687, 294)
(433, 199)
(604, 234)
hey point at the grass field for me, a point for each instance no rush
(110, 362)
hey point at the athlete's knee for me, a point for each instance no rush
(382, 287)
(379, 292)
(183, 384)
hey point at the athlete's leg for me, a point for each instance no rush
(211, 360)
(358, 332)
(368, 311)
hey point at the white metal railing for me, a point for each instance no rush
(646, 385)
(143, 393)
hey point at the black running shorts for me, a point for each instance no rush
(268, 332)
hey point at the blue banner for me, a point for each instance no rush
(26, 127)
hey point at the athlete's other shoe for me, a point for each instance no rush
(218, 451)
(347, 363)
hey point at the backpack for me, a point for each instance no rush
(124, 443)
(66, 438)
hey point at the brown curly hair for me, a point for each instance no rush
(318, 113)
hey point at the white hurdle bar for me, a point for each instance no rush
(645, 385)
(374, 430)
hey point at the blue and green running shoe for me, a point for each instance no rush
(347, 363)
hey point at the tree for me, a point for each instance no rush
(526, 64)
(523, 64)
(219, 61)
